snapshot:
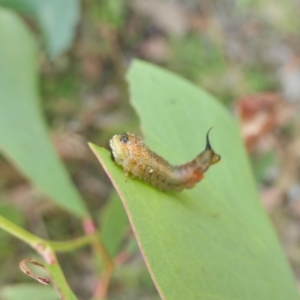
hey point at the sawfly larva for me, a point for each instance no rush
(137, 160)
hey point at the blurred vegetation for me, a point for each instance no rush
(233, 49)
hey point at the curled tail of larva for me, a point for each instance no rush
(208, 146)
(207, 157)
(195, 169)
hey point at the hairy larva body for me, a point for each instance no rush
(137, 160)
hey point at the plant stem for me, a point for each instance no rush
(71, 245)
(20, 233)
(41, 244)
(47, 248)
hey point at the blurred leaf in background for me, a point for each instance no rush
(114, 224)
(110, 12)
(23, 134)
(57, 19)
(30, 291)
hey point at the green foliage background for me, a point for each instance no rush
(62, 67)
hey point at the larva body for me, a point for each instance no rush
(137, 160)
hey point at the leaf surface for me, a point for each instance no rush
(114, 224)
(56, 18)
(215, 240)
(24, 139)
(27, 291)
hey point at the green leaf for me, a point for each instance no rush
(23, 134)
(111, 12)
(27, 291)
(215, 240)
(261, 163)
(114, 224)
(56, 18)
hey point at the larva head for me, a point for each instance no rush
(123, 146)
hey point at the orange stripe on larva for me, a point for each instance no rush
(137, 160)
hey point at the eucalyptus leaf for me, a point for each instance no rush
(114, 224)
(56, 18)
(24, 137)
(27, 291)
(215, 240)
